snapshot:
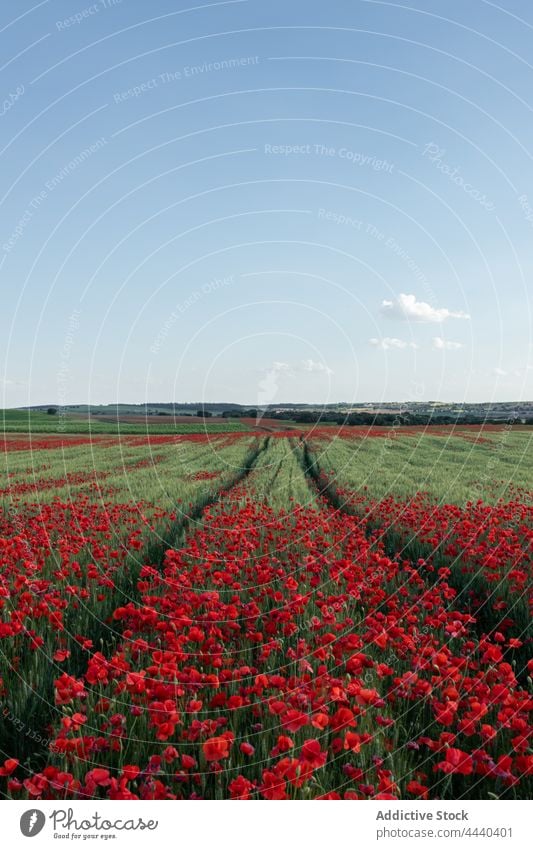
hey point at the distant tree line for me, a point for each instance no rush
(370, 418)
(242, 414)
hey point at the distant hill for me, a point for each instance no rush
(380, 413)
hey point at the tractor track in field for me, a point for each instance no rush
(156, 551)
(397, 547)
(42, 710)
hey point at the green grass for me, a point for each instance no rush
(278, 479)
(449, 468)
(26, 421)
(162, 475)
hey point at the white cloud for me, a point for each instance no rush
(312, 365)
(407, 308)
(499, 372)
(444, 345)
(387, 342)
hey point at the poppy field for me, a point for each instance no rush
(330, 613)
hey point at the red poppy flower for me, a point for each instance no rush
(98, 776)
(216, 749)
(352, 741)
(130, 772)
(9, 766)
(417, 789)
(241, 788)
(456, 761)
(313, 754)
(293, 720)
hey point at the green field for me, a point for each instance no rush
(448, 468)
(25, 421)
(333, 600)
(454, 469)
(161, 475)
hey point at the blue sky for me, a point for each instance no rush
(266, 202)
